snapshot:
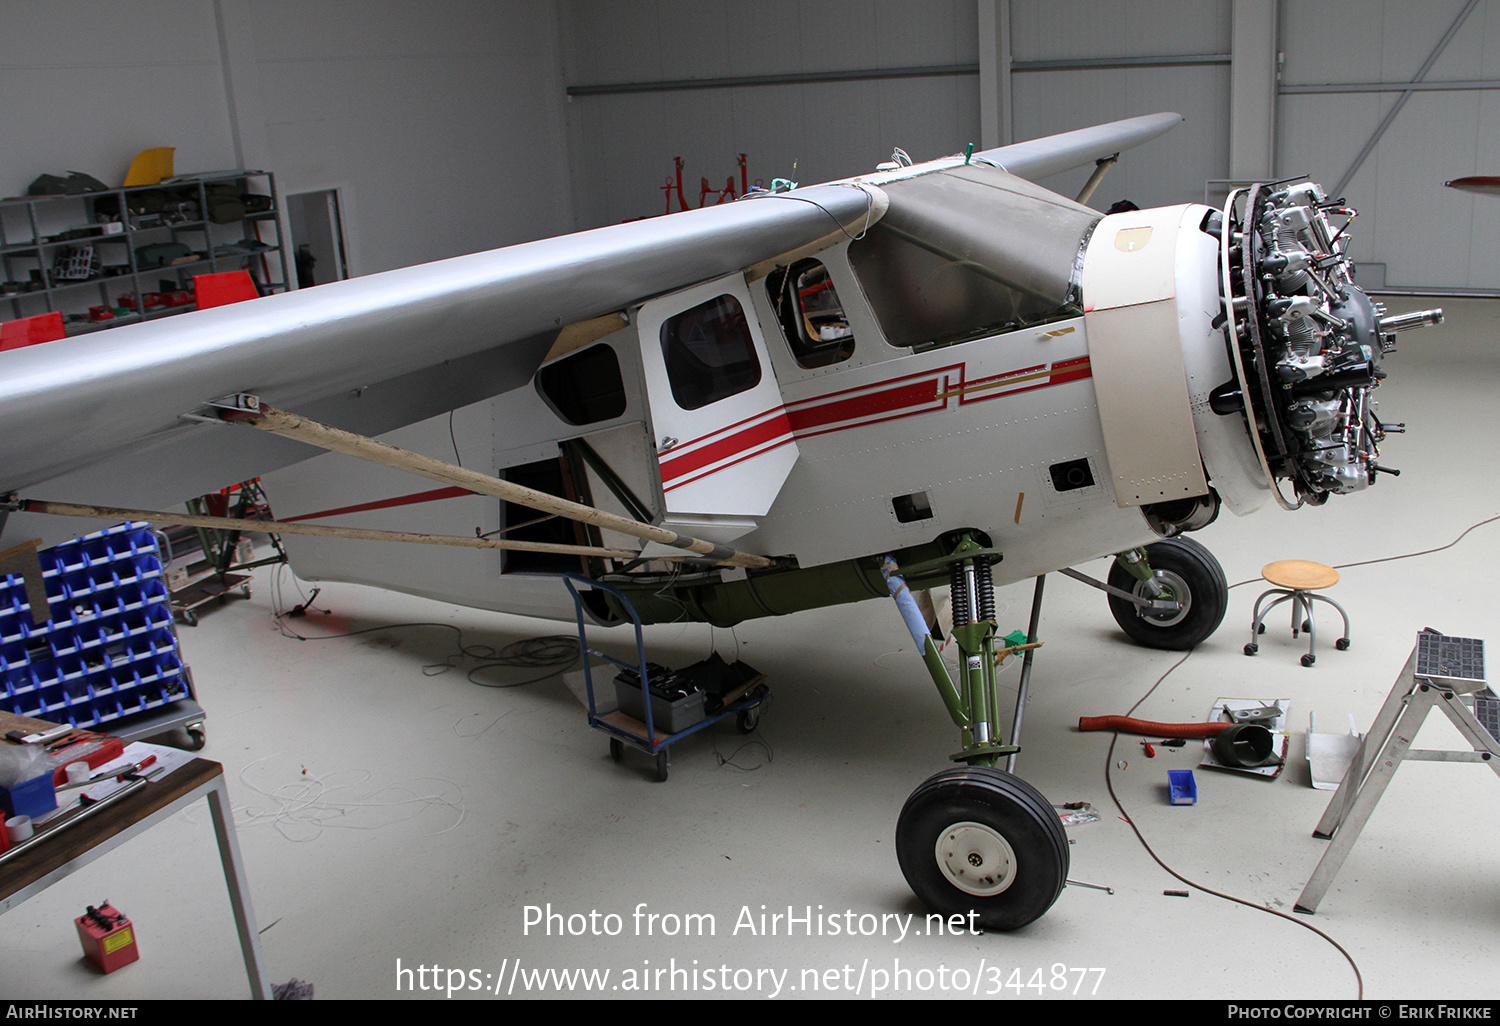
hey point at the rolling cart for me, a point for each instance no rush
(640, 732)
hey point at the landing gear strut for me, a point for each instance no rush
(974, 840)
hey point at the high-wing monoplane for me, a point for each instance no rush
(937, 374)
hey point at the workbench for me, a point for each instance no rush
(27, 872)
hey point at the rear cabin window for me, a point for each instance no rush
(968, 252)
(709, 353)
(584, 387)
(811, 314)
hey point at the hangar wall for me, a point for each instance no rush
(622, 142)
(1188, 46)
(447, 124)
(440, 122)
(1424, 234)
(1072, 63)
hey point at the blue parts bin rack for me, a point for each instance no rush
(622, 728)
(108, 657)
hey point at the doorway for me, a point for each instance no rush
(318, 237)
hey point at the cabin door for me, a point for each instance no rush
(723, 441)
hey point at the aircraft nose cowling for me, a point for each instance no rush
(1307, 342)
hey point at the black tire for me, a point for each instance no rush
(616, 749)
(1192, 575)
(1002, 827)
(661, 766)
(746, 720)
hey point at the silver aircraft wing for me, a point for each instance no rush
(1039, 158)
(99, 418)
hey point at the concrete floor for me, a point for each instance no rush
(394, 820)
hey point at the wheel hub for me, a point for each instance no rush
(976, 859)
(1176, 589)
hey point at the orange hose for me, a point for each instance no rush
(1134, 726)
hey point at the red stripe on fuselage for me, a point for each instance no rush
(400, 500)
(768, 430)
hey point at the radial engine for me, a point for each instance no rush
(1306, 342)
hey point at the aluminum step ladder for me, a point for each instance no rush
(1440, 672)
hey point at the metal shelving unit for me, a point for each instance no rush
(74, 254)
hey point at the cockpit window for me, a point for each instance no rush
(968, 252)
(709, 353)
(584, 387)
(811, 314)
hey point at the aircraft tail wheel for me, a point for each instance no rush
(1192, 576)
(977, 839)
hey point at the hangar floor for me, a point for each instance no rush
(395, 820)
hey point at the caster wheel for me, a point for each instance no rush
(747, 720)
(661, 765)
(1342, 644)
(1309, 659)
(1252, 648)
(616, 749)
(1306, 626)
(197, 738)
(189, 618)
(1260, 628)
(975, 839)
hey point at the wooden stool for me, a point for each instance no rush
(1297, 581)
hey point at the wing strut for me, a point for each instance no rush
(248, 409)
(70, 509)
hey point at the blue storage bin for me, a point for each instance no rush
(35, 797)
(1182, 789)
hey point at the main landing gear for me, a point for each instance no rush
(975, 840)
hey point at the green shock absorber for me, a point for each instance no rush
(971, 701)
(973, 599)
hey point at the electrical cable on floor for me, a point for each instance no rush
(555, 653)
(1130, 822)
(758, 741)
(310, 803)
(1109, 763)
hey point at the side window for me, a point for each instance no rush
(584, 387)
(811, 314)
(709, 353)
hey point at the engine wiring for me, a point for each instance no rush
(1135, 828)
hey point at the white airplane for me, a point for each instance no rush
(936, 374)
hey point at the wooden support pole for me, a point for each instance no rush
(289, 425)
(68, 509)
